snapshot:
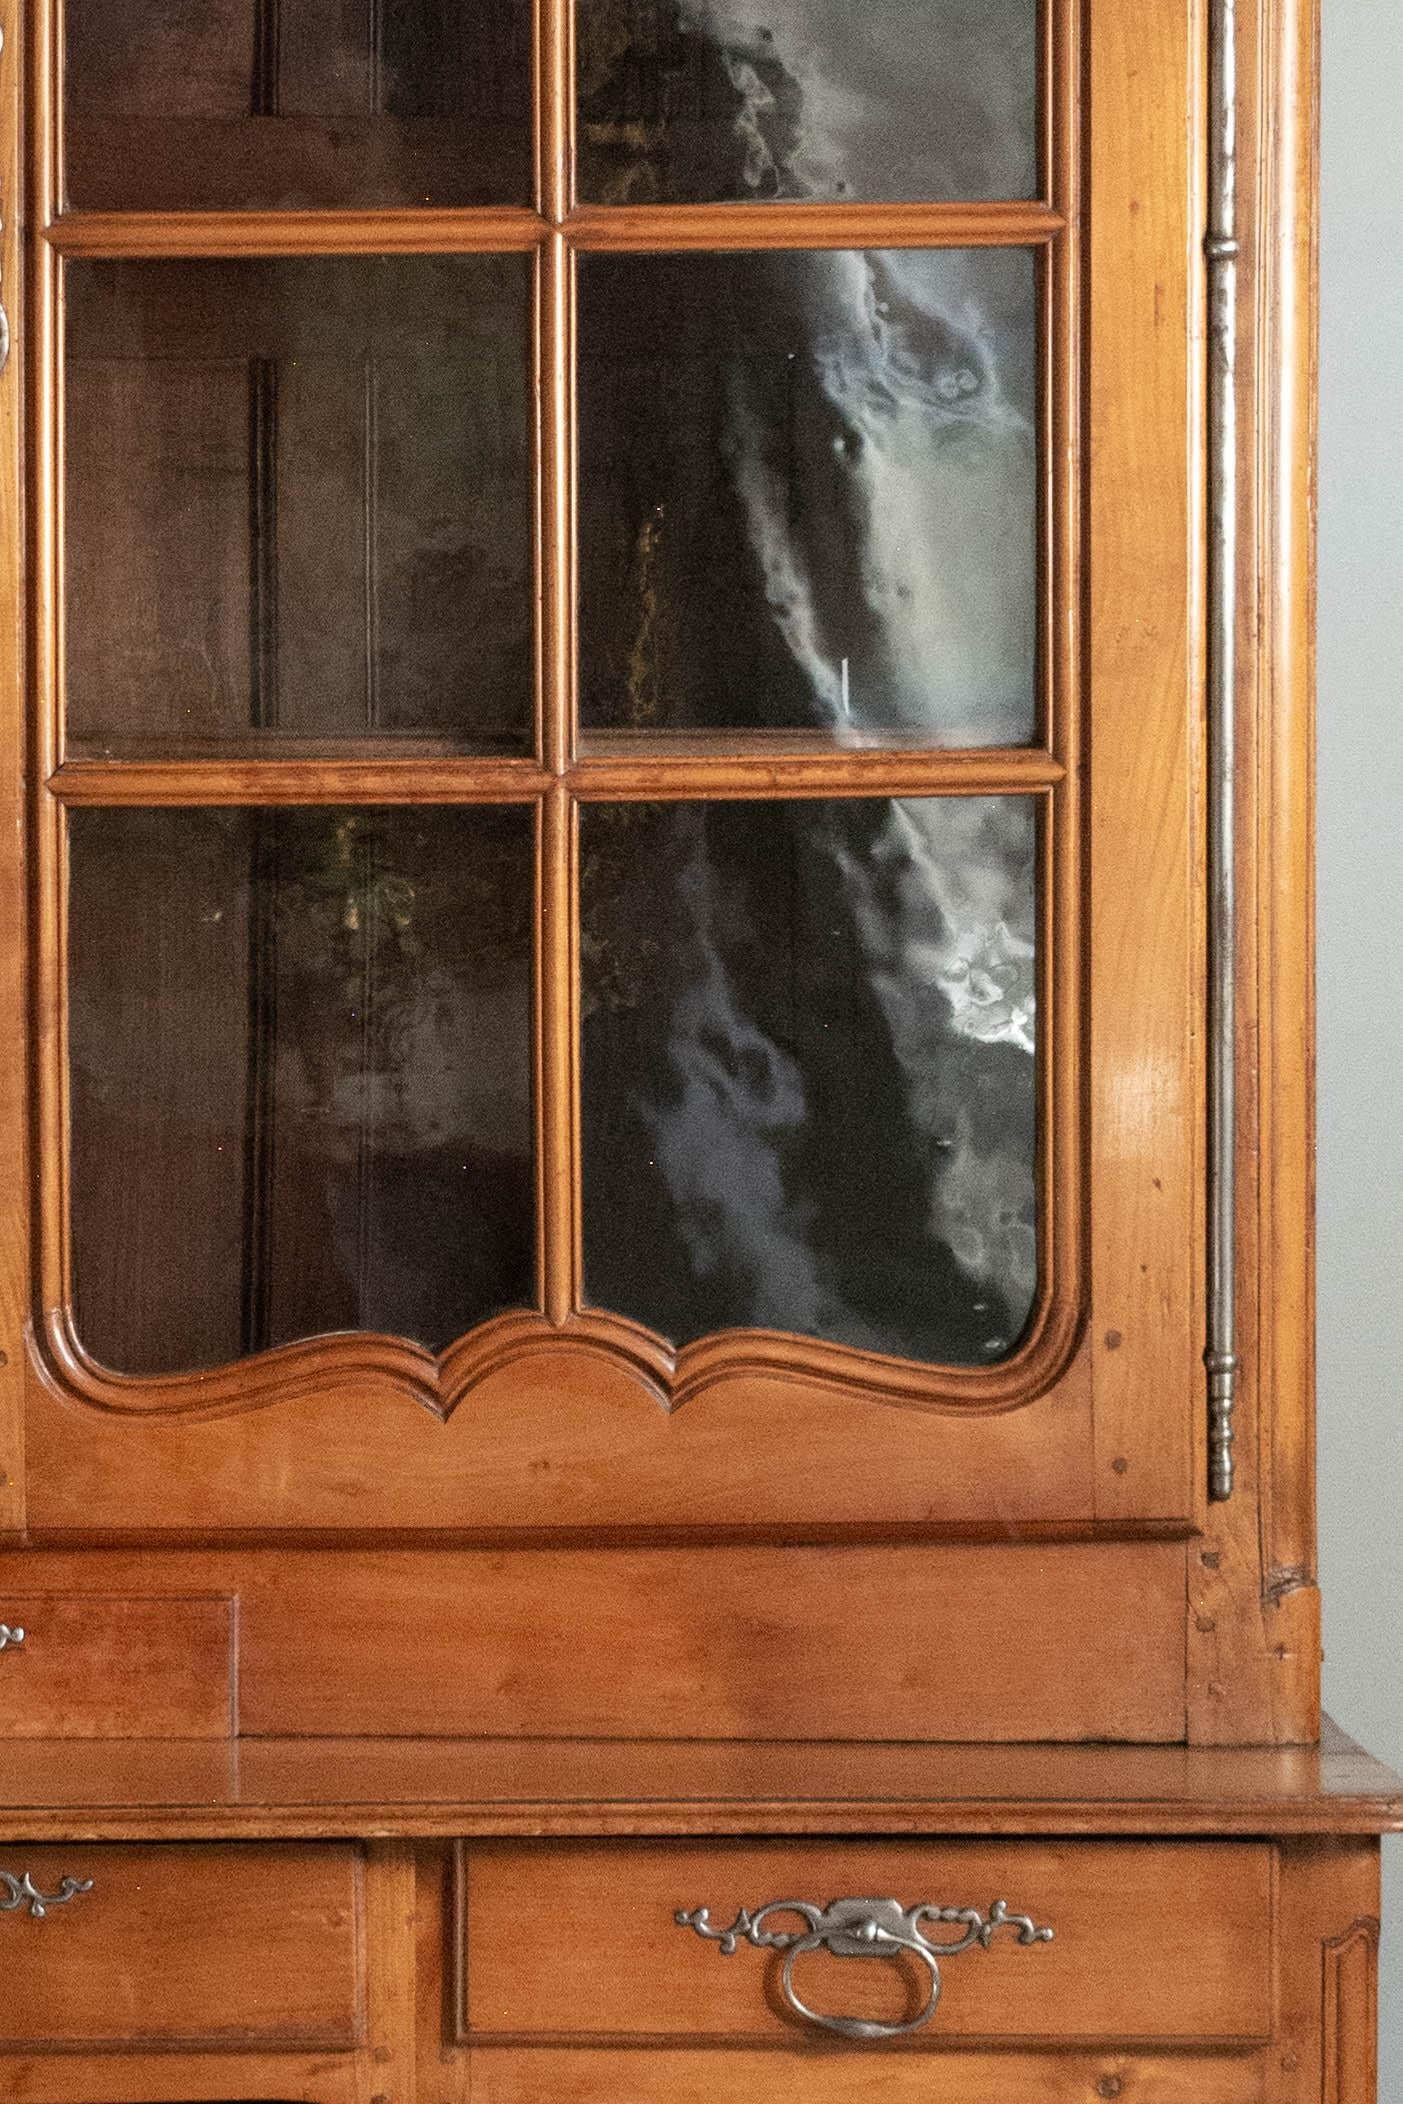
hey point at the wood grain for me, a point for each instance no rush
(479, 230)
(563, 1445)
(1328, 2026)
(14, 1058)
(1056, 1642)
(1145, 970)
(593, 2077)
(810, 226)
(189, 2078)
(196, 1946)
(607, 1960)
(97, 1667)
(1254, 1625)
(301, 1788)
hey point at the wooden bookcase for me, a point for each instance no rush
(569, 1348)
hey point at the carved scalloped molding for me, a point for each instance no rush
(393, 1367)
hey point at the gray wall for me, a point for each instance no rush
(1361, 876)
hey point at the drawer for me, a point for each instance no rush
(181, 1945)
(100, 1666)
(597, 2075)
(1170, 1941)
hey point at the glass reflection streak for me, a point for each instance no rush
(809, 1071)
(887, 100)
(810, 494)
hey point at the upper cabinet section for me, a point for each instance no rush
(720, 101)
(270, 105)
(588, 820)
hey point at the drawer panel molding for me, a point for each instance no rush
(249, 1946)
(617, 1942)
(114, 1666)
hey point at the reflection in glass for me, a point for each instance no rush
(704, 101)
(298, 500)
(245, 105)
(300, 1077)
(809, 493)
(809, 1074)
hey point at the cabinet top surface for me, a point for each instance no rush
(170, 1790)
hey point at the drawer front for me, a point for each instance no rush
(598, 2076)
(1167, 1942)
(180, 1945)
(99, 1666)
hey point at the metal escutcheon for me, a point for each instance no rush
(17, 1893)
(863, 1928)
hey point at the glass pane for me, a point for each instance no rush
(300, 1069)
(809, 493)
(809, 1097)
(299, 501)
(242, 105)
(703, 101)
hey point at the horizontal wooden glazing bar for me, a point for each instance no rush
(489, 230)
(486, 230)
(455, 779)
(813, 226)
(809, 769)
(601, 777)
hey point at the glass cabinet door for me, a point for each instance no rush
(599, 833)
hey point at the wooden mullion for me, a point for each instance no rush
(670, 228)
(555, 108)
(137, 236)
(557, 948)
(15, 672)
(557, 1057)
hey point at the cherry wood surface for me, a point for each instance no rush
(1302, 1967)
(1319, 1919)
(186, 1946)
(583, 2077)
(607, 1959)
(1055, 1641)
(119, 1668)
(1254, 1626)
(302, 1788)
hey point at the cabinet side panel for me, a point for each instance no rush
(1254, 1626)
(1329, 1912)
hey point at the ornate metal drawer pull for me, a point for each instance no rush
(18, 1893)
(9, 1637)
(863, 1928)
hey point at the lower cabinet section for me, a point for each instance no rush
(689, 1972)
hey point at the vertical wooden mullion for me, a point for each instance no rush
(1064, 1226)
(43, 448)
(557, 1007)
(14, 1065)
(555, 108)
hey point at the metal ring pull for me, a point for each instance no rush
(863, 1928)
(18, 1893)
(10, 1638)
